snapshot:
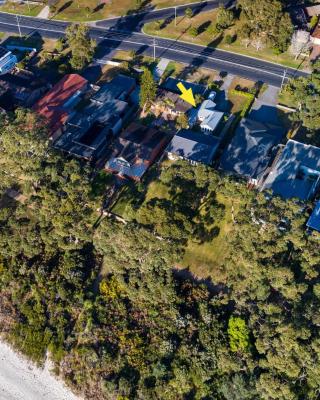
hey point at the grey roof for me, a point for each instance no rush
(85, 141)
(106, 111)
(212, 121)
(297, 171)
(249, 152)
(194, 146)
(160, 68)
(118, 88)
(171, 84)
(206, 109)
(314, 220)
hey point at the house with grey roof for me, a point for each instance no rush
(296, 172)
(120, 87)
(206, 116)
(195, 147)
(251, 150)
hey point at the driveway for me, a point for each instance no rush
(223, 104)
(265, 109)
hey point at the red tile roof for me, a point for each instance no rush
(52, 105)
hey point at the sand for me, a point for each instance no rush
(22, 380)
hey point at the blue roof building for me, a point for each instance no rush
(314, 220)
(251, 149)
(296, 173)
(195, 147)
(7, 61)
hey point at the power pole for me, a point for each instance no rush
(154, 49)
(283, 78)
(175, 16)
(18, 25)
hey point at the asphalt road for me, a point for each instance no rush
(189, 54)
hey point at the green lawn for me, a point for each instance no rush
(91, 10)
(15, 8)
(201, 259)
(286, 100)
(237, 103)
(180, 31)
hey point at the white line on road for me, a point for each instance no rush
(188, 52)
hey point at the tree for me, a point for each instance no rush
(229, 39)
(305, 95)
(88, 11)
(148, 89)
(53, 8)
(81, 46)
(314, 21)
(193, 31)
(188, 13)
(266, 21)
(198, 99)
(182, 121)
(238, 334)
(225, 17)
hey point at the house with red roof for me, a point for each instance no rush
(58, 105)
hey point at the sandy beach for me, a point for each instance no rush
(21, 380)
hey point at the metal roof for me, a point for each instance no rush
(314, 220)
(194, 146)
(249, 152)
(297, 171)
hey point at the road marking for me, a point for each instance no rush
(198, 55)
(159, 47)
(32, 27)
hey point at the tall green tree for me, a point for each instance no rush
(304, 93)
(148, 89)
(266, 21)
(81, 46)
(225, 17)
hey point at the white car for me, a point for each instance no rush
(212, 95)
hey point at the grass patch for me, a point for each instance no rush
(286, 99)
(203, 258)
(23, 9)
(237, 103)
(90, 10)
(181, 31)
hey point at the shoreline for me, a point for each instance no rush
(21, 379)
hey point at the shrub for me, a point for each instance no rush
(63, 69)
(193, 31)
(188, 13)
(314, 21)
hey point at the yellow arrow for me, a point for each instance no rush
(187, 94)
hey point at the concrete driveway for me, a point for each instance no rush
(264, 108)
